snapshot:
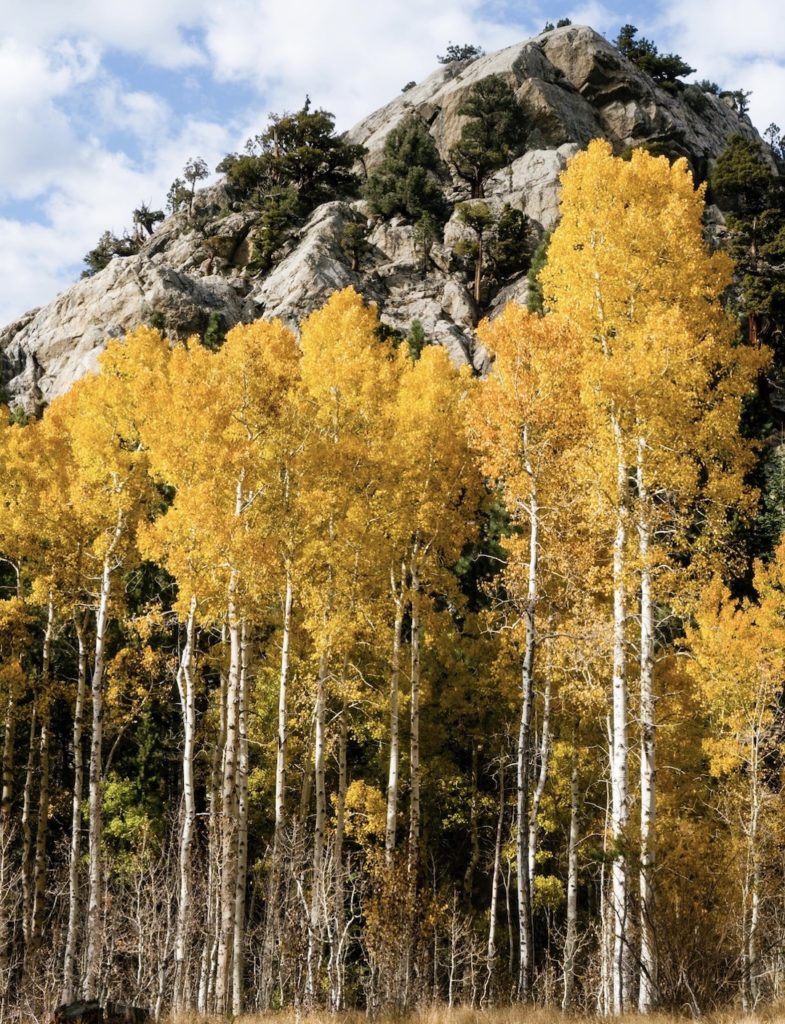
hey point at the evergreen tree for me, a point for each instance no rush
(494, 134)
(407, 182)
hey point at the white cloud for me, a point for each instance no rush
(350, 57)
(85, 143)
(741, 46)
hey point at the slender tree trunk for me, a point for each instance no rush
(542, 776)
(497, 866)
(280, 764)
(69, 960)
(27, 833)
(187, 692)
(39, 866)
(272, 910)
(337, 952)
(92, 976)
(648, 958)
(478, 269)
(317, 883)
(751, 901)
(526, 963)
(414, 739)
(223, 982)
(209, 964)
(238, 962)
(392, 777)
(9, 728)
(619, 792)
(39, 870)
(571, 936)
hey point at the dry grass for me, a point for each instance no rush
(497, 1015)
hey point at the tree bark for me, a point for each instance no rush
(497, 865)
(69, 959)
(238, 960)
(414, 738)
(542, 776)
(395, 672)
(27, 833)
(619, 790)
(39, 869)
(525, 936)
(317, 881)
(223, 981)
(648, 957)
(91, 984)
(571, 936)
(186, 690)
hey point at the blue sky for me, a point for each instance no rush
(103, 101)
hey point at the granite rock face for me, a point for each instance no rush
(198, 270)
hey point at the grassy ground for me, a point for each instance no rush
(498, 1015)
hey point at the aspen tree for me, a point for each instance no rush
(523, 420)
(628, 266)
(737, 661)
(346, 374)
(438, 490)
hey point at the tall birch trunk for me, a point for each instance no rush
(648, 957)
(39, 869)
(495, 877)
(186, 690)
(542, 776)
(525, 936)
(414, 737)
(95, 920)
(39, 866)
(238, 960)
(317, 883)
(280, 763)
(619, 791)
(337, 951)
(272, 915)
(571, 936)
(9, 728)
(395, 673)
(27, 832)
(209, 962)
(223, 980)
(69, 959)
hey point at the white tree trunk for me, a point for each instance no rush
(542, 776)
(95, 920)
(414, 738)
(317, 882)
(27, 833)
(488, 994)
(571, 935)
(280, 764)
(69, 959)
(619, 903)
(525, 936)
(9, 727)
(392, 777)
(238, 960)
(187, 692)
(39, 870)
(648, 957)
(223, 981)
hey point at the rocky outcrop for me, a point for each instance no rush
(198, 268)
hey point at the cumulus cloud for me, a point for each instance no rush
(101, 104)
(741, 46)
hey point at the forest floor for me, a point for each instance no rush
(498, 1015)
